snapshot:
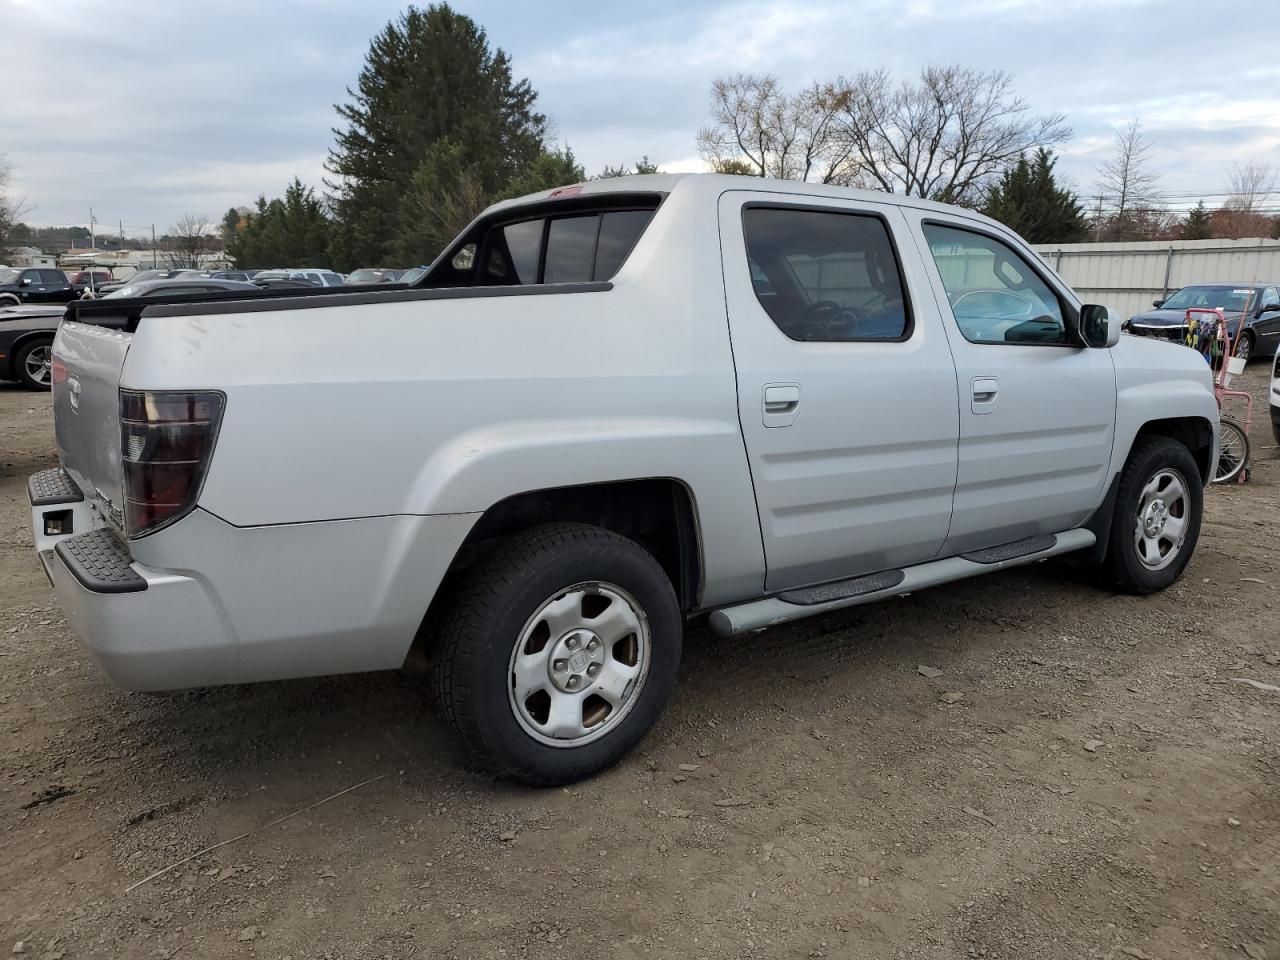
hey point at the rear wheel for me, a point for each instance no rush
(559, 652)
(1157, 517)
(9, 300)
(1233, 452)
(34, 364)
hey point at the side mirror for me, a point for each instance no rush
(1269, 307)
(1157, 304)
(25, 281)
(1099, 327)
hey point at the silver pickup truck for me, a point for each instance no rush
(605, 409)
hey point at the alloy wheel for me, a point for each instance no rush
(39, 364)
(1161, 522)
(579, 664)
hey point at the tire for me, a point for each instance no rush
(1133, 564)
(1233, 452)
(535, 669)
(9, 300)
(1244, 349)
(32, 364)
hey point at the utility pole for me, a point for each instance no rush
(93, 242)
(122, 236)
(155, 262)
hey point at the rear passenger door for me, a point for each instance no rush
(1037, 410)
(846, 386)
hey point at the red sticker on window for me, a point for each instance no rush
(565, 191)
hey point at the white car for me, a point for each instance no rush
(321, 278)
(1275, 397)
(605, 409)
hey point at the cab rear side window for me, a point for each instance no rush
(826, 276)
(577, 248)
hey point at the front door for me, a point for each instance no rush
(846, 387)
(1037, 411)
(1267, 327)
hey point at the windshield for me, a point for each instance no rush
(414, 275)
(1231, 299)
(129, 291)
(364, 276)
(9, 275)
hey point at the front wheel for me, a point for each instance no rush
(1233, 451)
(34, 363)
(558, 652)
(1157, 517)
(1244, 349)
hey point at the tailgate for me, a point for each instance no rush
(86, 409)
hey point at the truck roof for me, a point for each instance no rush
(716, 183)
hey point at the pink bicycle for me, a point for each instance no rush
(1212, 338)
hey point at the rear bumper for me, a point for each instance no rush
(206, 603)
(163, 637)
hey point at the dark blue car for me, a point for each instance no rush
(1261, 334)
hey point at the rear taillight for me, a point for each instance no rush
(166, 442)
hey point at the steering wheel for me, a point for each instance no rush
(830, 317)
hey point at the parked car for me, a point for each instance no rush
(319, 278)
(34, 285)
(283, 283)
(244, 276)
(26, 343)
(184, 286)
(155, 273)
(1261, 334)
(641, 400)
(381, 275)
(413, 275)
(1275, 398)
(91, 280)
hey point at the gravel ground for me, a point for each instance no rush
(1085, 778)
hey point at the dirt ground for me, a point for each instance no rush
(1085, 778)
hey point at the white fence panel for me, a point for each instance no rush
(1129, 276)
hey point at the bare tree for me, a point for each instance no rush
(1126, 188)
(776, 134)
(943, 136)
(187, 241)
(11, 208)
(1242, 215)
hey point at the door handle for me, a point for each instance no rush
(781, 399)
(985, 392)
(781, 404)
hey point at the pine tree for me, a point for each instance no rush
(431, 88)
(293, 231)
(1199, 223)
(642, 166)
(1028, 200)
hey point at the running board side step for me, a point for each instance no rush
(769, 611)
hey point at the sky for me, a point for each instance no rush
(146, 111)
